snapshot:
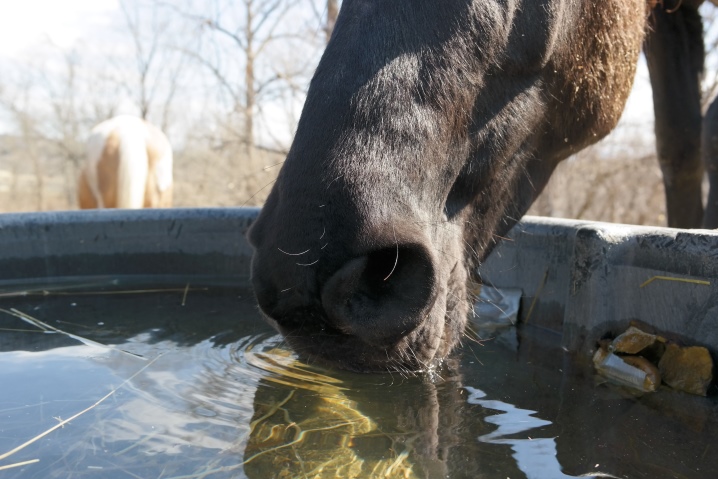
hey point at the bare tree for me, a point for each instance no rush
(617, 180)
(237, 50)
(44, 100)
(159, 63)
(325, 14)
(145, 53)
(332, 14)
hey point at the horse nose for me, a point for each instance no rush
(382, 295)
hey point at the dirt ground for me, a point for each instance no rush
(201, 179)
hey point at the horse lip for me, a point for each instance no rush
(318, 342)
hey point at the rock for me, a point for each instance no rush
(688, 369)
(633, 341)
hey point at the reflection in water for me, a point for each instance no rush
(303, 422)
(309, 424)
(220, 397)
(536, 457)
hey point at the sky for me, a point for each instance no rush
(31, 28)
(29, 22)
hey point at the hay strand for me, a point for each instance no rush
(670, 278)
(65, 421)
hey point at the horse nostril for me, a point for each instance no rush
(383, 295)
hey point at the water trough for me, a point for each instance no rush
(578, 278)
(189, 382)
(583, 279)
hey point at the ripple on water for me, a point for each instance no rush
(209, 390)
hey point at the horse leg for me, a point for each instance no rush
(85, 196)
(675, 54)
(710, 162)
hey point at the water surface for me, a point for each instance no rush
(174, 382)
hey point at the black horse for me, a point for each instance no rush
(429, 129)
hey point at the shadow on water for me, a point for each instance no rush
(190, 383)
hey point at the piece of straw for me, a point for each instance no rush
(19, 464)
(47, 327)
(670, 278)
(65, 421)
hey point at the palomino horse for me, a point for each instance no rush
(129, 165)
(429, 129)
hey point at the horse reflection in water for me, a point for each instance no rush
(306, 424)
(329, 431)
(514, 415)
(129, 165)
